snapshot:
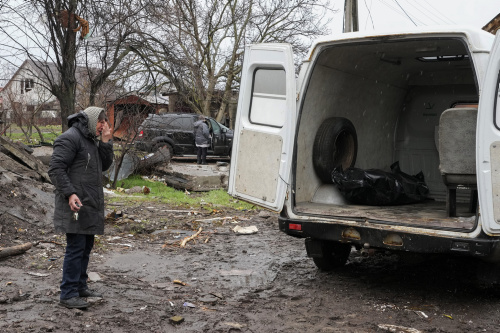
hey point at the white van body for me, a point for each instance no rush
(425, 98)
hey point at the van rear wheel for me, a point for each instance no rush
(334, 255)
(335, 144)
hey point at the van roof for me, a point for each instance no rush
(478, 39)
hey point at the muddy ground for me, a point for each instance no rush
(261, 282)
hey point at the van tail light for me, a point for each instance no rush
(141, 133)
(295, 226)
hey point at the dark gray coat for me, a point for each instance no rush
(76, 166)
(201, 133)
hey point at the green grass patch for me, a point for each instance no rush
(50, 133)
(215, 199)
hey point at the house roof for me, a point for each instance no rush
(42, 69)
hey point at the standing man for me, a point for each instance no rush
(201, 139)
(80, 156)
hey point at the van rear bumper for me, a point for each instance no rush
(484, 246)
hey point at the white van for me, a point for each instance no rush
(425, 98)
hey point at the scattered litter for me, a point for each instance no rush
(37, 274)
(264, 214)
(143, 308)
(215, 219)
(235, 325)
(176, 320)
(179, 282)
(113, 238)
(216, 295)
(189, 305)
(187, 239)
(123, 244)
(398, 329)
(53, 259)
(448, 316)
(161, 285)
(8, 283)
(93, 276)
(245, 230)
(236, 272)
(421, 314)
(171, 304)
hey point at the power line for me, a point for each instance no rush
(396, 1)
(424, 13)
(369, 14)
(445, 18)
(391, 7)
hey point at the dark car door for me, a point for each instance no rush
(180, 129)
(219, 144)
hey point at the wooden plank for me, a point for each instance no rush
(26, 158)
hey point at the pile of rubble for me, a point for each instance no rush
(26, 196)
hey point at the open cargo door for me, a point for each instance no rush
(265, 126)
(488, 145)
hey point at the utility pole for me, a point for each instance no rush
(351, 16)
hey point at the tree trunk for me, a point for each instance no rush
(39, 133)
(14, 250)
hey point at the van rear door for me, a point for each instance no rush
(265, 126)
(488, 144)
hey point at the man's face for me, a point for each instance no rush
(99, 127)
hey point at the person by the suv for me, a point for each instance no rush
(201, 139)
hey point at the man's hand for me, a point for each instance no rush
(106, 133)
(74, 203)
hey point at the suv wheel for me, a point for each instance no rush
(334, 255)
(166, 145)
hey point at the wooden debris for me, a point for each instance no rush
(176, 320)
(187, 239)
(28, 159)
(14, 250)
(179, 282)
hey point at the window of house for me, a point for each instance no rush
(28, 84)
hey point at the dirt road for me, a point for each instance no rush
(261, 282)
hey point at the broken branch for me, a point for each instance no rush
(187, 239)
(14, 250)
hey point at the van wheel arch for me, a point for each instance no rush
(335, 144)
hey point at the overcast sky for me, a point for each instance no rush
(390, 14)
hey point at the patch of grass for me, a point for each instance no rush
(50, 133)
(169, 195)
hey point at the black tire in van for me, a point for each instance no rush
(335, 144)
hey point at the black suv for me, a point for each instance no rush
(175, 131)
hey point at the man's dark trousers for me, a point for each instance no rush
(76, 261)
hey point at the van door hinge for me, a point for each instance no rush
(297, 98)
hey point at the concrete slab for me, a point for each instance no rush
(182, 172)
(196, 177)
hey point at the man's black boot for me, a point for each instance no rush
(74, 303)
(89, 293)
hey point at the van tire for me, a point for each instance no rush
(335, 144)
(335, 255)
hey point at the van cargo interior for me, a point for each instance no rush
(394, 92)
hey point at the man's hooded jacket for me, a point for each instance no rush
(76, 167)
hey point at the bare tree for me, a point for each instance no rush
(197, 45)
(45, 32)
